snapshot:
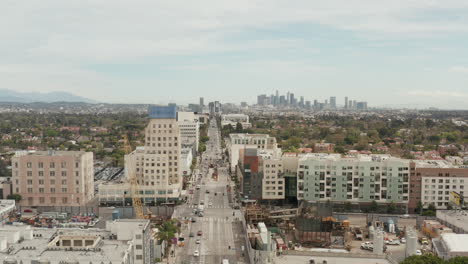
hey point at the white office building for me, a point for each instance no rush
(241, 141)
(189, 128)
(233, 119)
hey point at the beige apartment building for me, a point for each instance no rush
(156, 165)
(49, 178)
(273, 187)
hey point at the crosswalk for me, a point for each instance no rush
(211, 207)
(215, 219)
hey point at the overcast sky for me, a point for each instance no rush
(398, 52)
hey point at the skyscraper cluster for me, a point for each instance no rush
(289, 100)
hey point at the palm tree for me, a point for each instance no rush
(167, 231)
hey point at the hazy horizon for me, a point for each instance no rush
(389, 53)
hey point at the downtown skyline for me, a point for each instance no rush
(398, 54)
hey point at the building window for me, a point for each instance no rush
(63, 164)
(52, 173)
(29, 165)
(41, 165)
(41, 174)
(52, 165)
(41, 200)
(64, 200)
(64, 173)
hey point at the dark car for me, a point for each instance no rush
(199, 233)
(193, 220)
(191, 234)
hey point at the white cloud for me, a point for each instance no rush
(111, 30)
(437, 94)
(49, 44)
(461, 69)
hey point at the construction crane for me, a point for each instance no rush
(135, 190)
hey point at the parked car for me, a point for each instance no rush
(424, 241)
(196, 253)
(191, 234)
(367, 246)
(418, 252)
(198, 241)
(393, 242)
(199, 233)
(27, 211)
(403, 240)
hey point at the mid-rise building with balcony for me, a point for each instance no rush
(361, 178)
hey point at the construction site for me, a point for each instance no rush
(314, 225)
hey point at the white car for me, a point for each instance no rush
(198, 241)
(210, 204)
(196, 253)
(403, 240)
(418, 252)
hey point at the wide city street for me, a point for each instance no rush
(211, 231)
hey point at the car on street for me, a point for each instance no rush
(198, 241)
(191, 234)
(210, 204)
(27, 210)
(193, 220)
(393, 242)
(207, 191)
(418, 252)
(199, 233)
(196, 253)
(424, 241)
(367, 246)
(403, 240)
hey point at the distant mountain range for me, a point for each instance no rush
(19, 97)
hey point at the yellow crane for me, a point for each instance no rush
(135, 190)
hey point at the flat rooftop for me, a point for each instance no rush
(32, 249)
(434, 164)
(49, 153)
(458, 218)
(287, 259)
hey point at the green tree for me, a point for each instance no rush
(391, 208)
(457, 260)
(430, 211)
(239, 128)
(167, 231)
(17, 197)
(373, 206)
(419, 207)
(425, 259)
(347, 206)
